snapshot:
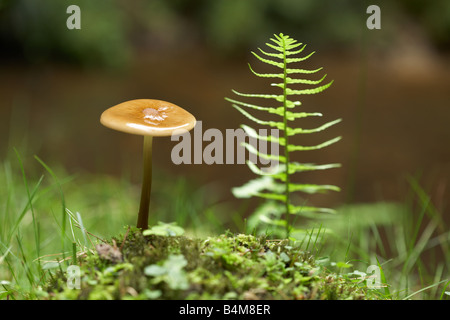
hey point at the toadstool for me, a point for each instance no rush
(149, 118)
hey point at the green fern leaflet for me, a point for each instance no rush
(277, 188)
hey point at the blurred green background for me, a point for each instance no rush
(391, 85)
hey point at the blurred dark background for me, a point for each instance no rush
(391, 86)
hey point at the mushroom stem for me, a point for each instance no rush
(144, 206)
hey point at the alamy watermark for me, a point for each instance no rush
(374, 20)
(74, 20)
(372, 277)
(230, 148)
(73, 277)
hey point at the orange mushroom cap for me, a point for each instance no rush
(148, 117)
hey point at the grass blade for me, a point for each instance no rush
(63, 201)
(387, 292)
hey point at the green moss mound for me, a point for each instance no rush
(228, 266)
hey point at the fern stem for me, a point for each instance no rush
(286, 137)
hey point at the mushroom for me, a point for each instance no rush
(149, 118)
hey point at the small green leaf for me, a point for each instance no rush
(387, 292)
(152, 294)
(343, 265)
(164, 229)
(323, 261)
(284, 257)
(154, 270)
(171, 272)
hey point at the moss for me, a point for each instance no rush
(223, 267)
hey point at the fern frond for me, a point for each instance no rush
(266, 75)
(265, 187)
(263, 155)
(298, 115)
(277, 171)
(295, 167)
(289, 44)
(312, 188)
(274, 124)
(277, 187)
(270, 54)
(268, 213)
(277, 48)
(279, 111)
(293, 45)
(274, 222)
(277, 41)
(292, 104)
(294, 131)
(304, 71)
(256, 188)
(268, 61)
(253, 134)
(293, 60)
(252, 187)
(291, 53)
(309, 91)
(271, 196)
(303, 210)
(304, 81)
(260, 95)
(253, 106)
(292, 147)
